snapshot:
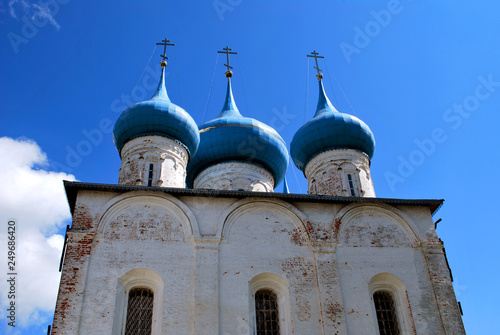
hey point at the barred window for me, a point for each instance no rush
(150, 176)
(139, 312)
(266, 311)
(386, 313)
(351, 185)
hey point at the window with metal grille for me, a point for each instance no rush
(139, 312)
(386, 313)
(351, 185)
(266, 311)
(150, 177)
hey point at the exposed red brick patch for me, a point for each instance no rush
(82, 218)
(298, 236)
(145, 223)
(334, 312)
(373, 231)
(131, 171)
(336, 228)
(78, 249)
(302, 275)
(327, 183)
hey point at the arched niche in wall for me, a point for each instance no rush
(374, 225)
(389, 283)
(279, 286)
(301, 226)
(142, 216)
(136, 279)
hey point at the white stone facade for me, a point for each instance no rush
(340, 172)
(205, 253)
(153, 161)
(235, 176)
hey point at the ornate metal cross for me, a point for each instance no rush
(165, 43)
(227, 51)
(315, 55)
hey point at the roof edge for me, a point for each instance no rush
(72, 188)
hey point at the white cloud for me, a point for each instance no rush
(34, 11)
(35, 198)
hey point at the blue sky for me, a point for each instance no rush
(424, 75)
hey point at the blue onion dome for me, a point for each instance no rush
(330, 129)
(233, 137)
(157, 116)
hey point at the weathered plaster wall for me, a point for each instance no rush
(168, 158)
(327, 173)
(235, 176)
(210, 251)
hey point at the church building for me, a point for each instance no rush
(194, 240)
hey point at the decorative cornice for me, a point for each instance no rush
(73, 187)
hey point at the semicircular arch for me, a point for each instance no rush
(181, 212)
(243, 206)
(351, 211)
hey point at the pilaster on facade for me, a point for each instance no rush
(332, 306)
(67, 316)
(206, 291)
(441, 280)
